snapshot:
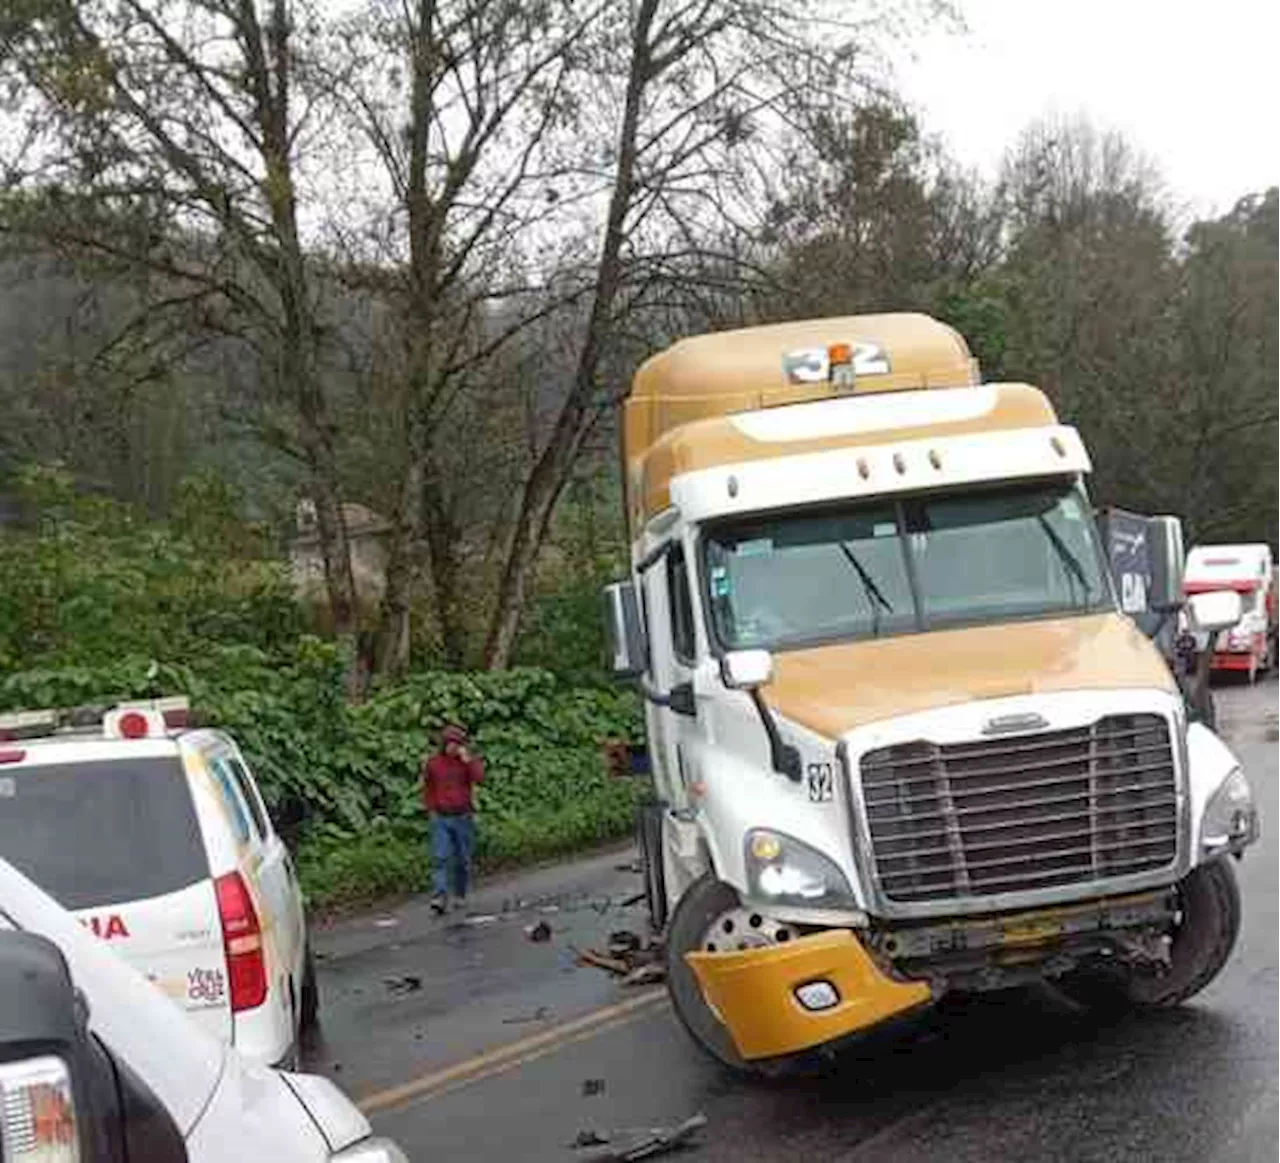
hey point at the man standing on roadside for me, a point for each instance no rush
(447, 779)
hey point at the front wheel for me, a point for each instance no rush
(649, 839)
(1201, 942)
(309, 999)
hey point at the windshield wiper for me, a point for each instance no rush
(875, 598)
(1068, 559)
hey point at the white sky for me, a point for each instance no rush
(1192, 85)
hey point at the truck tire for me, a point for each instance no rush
(1202, 943)
(649, 840)
(706, 899)
(309, 997)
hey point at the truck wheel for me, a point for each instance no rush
(706, 916)
(649, 838)
(705, 902)
(309, 998)
(1209, 922)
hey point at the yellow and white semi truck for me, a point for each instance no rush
(903, 739)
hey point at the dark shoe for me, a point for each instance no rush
(439, 905)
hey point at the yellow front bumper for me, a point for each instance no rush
(753, 992)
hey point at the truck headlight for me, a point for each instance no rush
(784, 871)
(1230, 818)
(371, 1151)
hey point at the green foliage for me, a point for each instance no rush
(91, 581)
(342, 780)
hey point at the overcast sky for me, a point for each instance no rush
(1192, 85)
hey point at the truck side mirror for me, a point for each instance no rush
(1214, 610)
(1168, 562)
(628, 646)
(746, 670)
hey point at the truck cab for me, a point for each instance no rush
(1248, 647)
(903, 738)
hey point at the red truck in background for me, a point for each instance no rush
(1250, 647)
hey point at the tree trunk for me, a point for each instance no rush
(444, 543)
(389, 655)
(335, 547)
(551, 472)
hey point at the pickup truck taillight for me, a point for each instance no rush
(38, 1112)
(242, 941)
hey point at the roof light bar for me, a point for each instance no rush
(172, 713)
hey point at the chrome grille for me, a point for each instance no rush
(1031, 812)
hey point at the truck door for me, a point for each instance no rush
(672, 651)
(671, 712)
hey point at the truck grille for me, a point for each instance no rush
(1013, 815)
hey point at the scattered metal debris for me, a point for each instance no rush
(636, 960)
(600, 961)
(622, 942)
(539, 932)
(650, 974)
(409, 983)
(645, 1144)
(592, 1087)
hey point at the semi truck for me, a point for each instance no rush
(1249, 647)
(903, 739)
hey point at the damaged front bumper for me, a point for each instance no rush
(782, 999)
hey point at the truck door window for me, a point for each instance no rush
(682, 633)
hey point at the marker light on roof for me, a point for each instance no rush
(127, 722)
(132, 725)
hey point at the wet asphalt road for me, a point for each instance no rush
(1012, 1076)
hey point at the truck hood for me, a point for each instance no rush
(835, 688)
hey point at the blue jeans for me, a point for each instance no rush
(452, 839)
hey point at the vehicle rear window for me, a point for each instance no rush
(102, 832)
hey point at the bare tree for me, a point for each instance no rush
(458, 103)
(700, 97)
(187, 121)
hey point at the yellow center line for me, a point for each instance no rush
(512, 1054)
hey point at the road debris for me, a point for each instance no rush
(409, 983)
(622, 942)
(634, 899)
(480, 919)
(600, 961)
(386, 922)
(630, 866)
(643, 1145)
(650, 974)
(636, 960)
(592, 1087)
(539, 932)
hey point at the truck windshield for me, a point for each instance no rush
(893, 567)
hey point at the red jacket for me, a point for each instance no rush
(447, 782)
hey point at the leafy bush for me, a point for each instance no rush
(97, 605)
(342, 780)
(89, 580)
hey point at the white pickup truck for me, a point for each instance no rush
(99, 1066)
